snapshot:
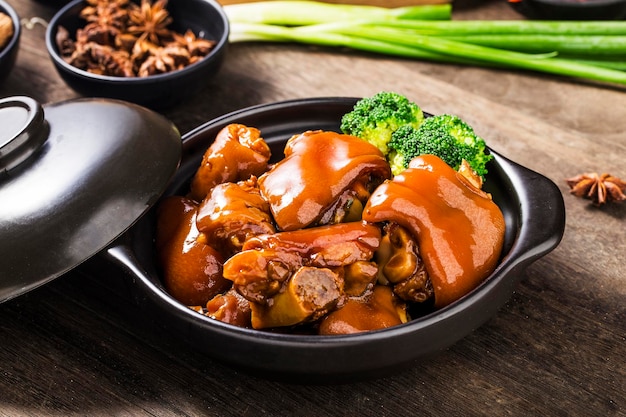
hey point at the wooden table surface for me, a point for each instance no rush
(557, 348)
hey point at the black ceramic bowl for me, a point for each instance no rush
(534, 213)
(8, 53)
(206, 18)
(571, 9)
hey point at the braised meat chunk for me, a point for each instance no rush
(459, 228)
(318, 168)
(192, 270)
(400, 265)
(231, 214)
(237, 153)
(309, 294)
(230, 308)
(296, 277)
(378, 309)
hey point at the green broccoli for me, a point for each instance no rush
(446, 136)
(375, 118)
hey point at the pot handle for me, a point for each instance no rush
(542, 212)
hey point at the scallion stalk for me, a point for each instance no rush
(606, 62)
(496, 56)
(508, 27)
(568, 44)
(306, 12)
(272, 33)
(592, 50)
(590, 45)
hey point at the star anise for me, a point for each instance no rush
(165, 59)
(598, 188)
(66, 45)
(106, 20)
(130, 38)
(125, 42)
(197, 47)
(101, 59)
(97, 8)
(150, 21)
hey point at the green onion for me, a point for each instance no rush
(305, 12)
(542, 63)
(565, 44)
(609, 62)
(593, 50)
(249, 31)
(508, 27)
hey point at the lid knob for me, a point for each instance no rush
(24, 130)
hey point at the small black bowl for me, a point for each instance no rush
(535, 218)
(206, 18)
(571, 9)
(8, 53)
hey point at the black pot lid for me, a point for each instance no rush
(74, 176)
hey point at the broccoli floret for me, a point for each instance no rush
(446, 136)
(375, 118)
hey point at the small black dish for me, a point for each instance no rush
(571, 9)
(206, 18)
(535, 218)
(8, 53)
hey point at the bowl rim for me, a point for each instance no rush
(51, 31)
(17, 29)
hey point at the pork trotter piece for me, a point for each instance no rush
(459, 228)
(231, 214)
(379, 309)
(297, 277)
(318, 169)
(192, 270)
(237, 153)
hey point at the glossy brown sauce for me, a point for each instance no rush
(317, 168)
(325, 239)
(377, 310)
(192, 270)
(232, 213)
(237, 153)
(459, 228)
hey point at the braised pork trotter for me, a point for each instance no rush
(237, 153)
(297, 277)
(459, 228)
(319, 169)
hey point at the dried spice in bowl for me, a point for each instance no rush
(6, 30)
(126, 39)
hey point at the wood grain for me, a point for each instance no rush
(558, 348)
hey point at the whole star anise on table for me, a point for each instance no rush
(600, 189)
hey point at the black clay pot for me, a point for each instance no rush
(535, 217)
